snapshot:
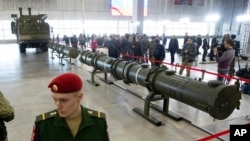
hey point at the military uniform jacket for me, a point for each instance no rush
(6, 110)
(51, 127)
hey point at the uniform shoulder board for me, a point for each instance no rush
(45, 116)
(96, 113)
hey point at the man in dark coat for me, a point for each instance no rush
(173, 47)
(74, 41)
(114, 47)
(66, 39)
(137, 49)
(125, 48)
(199, 42)
(185, 38)
(164, 40)
(205, 47)
(159, 53)
(214, 45)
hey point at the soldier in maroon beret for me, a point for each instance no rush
(70, 121)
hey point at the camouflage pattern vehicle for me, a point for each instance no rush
(31, 30)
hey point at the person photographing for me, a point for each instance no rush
(224, 60)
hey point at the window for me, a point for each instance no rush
(100, 27)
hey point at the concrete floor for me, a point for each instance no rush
(24, 79)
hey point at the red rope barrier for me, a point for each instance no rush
(191, 68)
(214, 135)
(217, 135)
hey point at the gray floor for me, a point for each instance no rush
(24, 79)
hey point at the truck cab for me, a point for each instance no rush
(31, 31)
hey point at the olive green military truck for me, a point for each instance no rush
(31, 31)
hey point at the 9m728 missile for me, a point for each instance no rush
(63, 52)
(218, 100)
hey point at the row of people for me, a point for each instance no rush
(82, 40)
(135, 48)
(141, 49)
(144, 49)
(223, 58)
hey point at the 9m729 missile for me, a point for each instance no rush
(218, 100)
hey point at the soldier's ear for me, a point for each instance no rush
(81, 95)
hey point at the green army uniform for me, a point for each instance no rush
(6, 115)
(6, 110)
(51, 127)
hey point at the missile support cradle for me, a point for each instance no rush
(216, 99)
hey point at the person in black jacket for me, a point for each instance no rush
(214, 45)
(185, 38)
(137, 49)
(205, 47)
(66, 40)
(125, 48)
(189, 52)
(199, 42)
(173, 47)
(159, 53)
(74, 41)
(113, 47)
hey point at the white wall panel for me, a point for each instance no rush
(37, 5)
(177, 10)
(55, 15)
(169, 9)
(51, 5)
(6, 15)
(152, 6)
(1, 4)
(185, 10)
(7, 5)
(96, 5)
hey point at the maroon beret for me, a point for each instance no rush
(66, 83)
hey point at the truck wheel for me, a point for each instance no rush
(22, 48)
(45, 48)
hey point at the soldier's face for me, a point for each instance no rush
(67, 104)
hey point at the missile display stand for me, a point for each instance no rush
(61, 57)
(92, 81)
(154, 96)
(146, 112)
(52, 46)
(105, 79)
